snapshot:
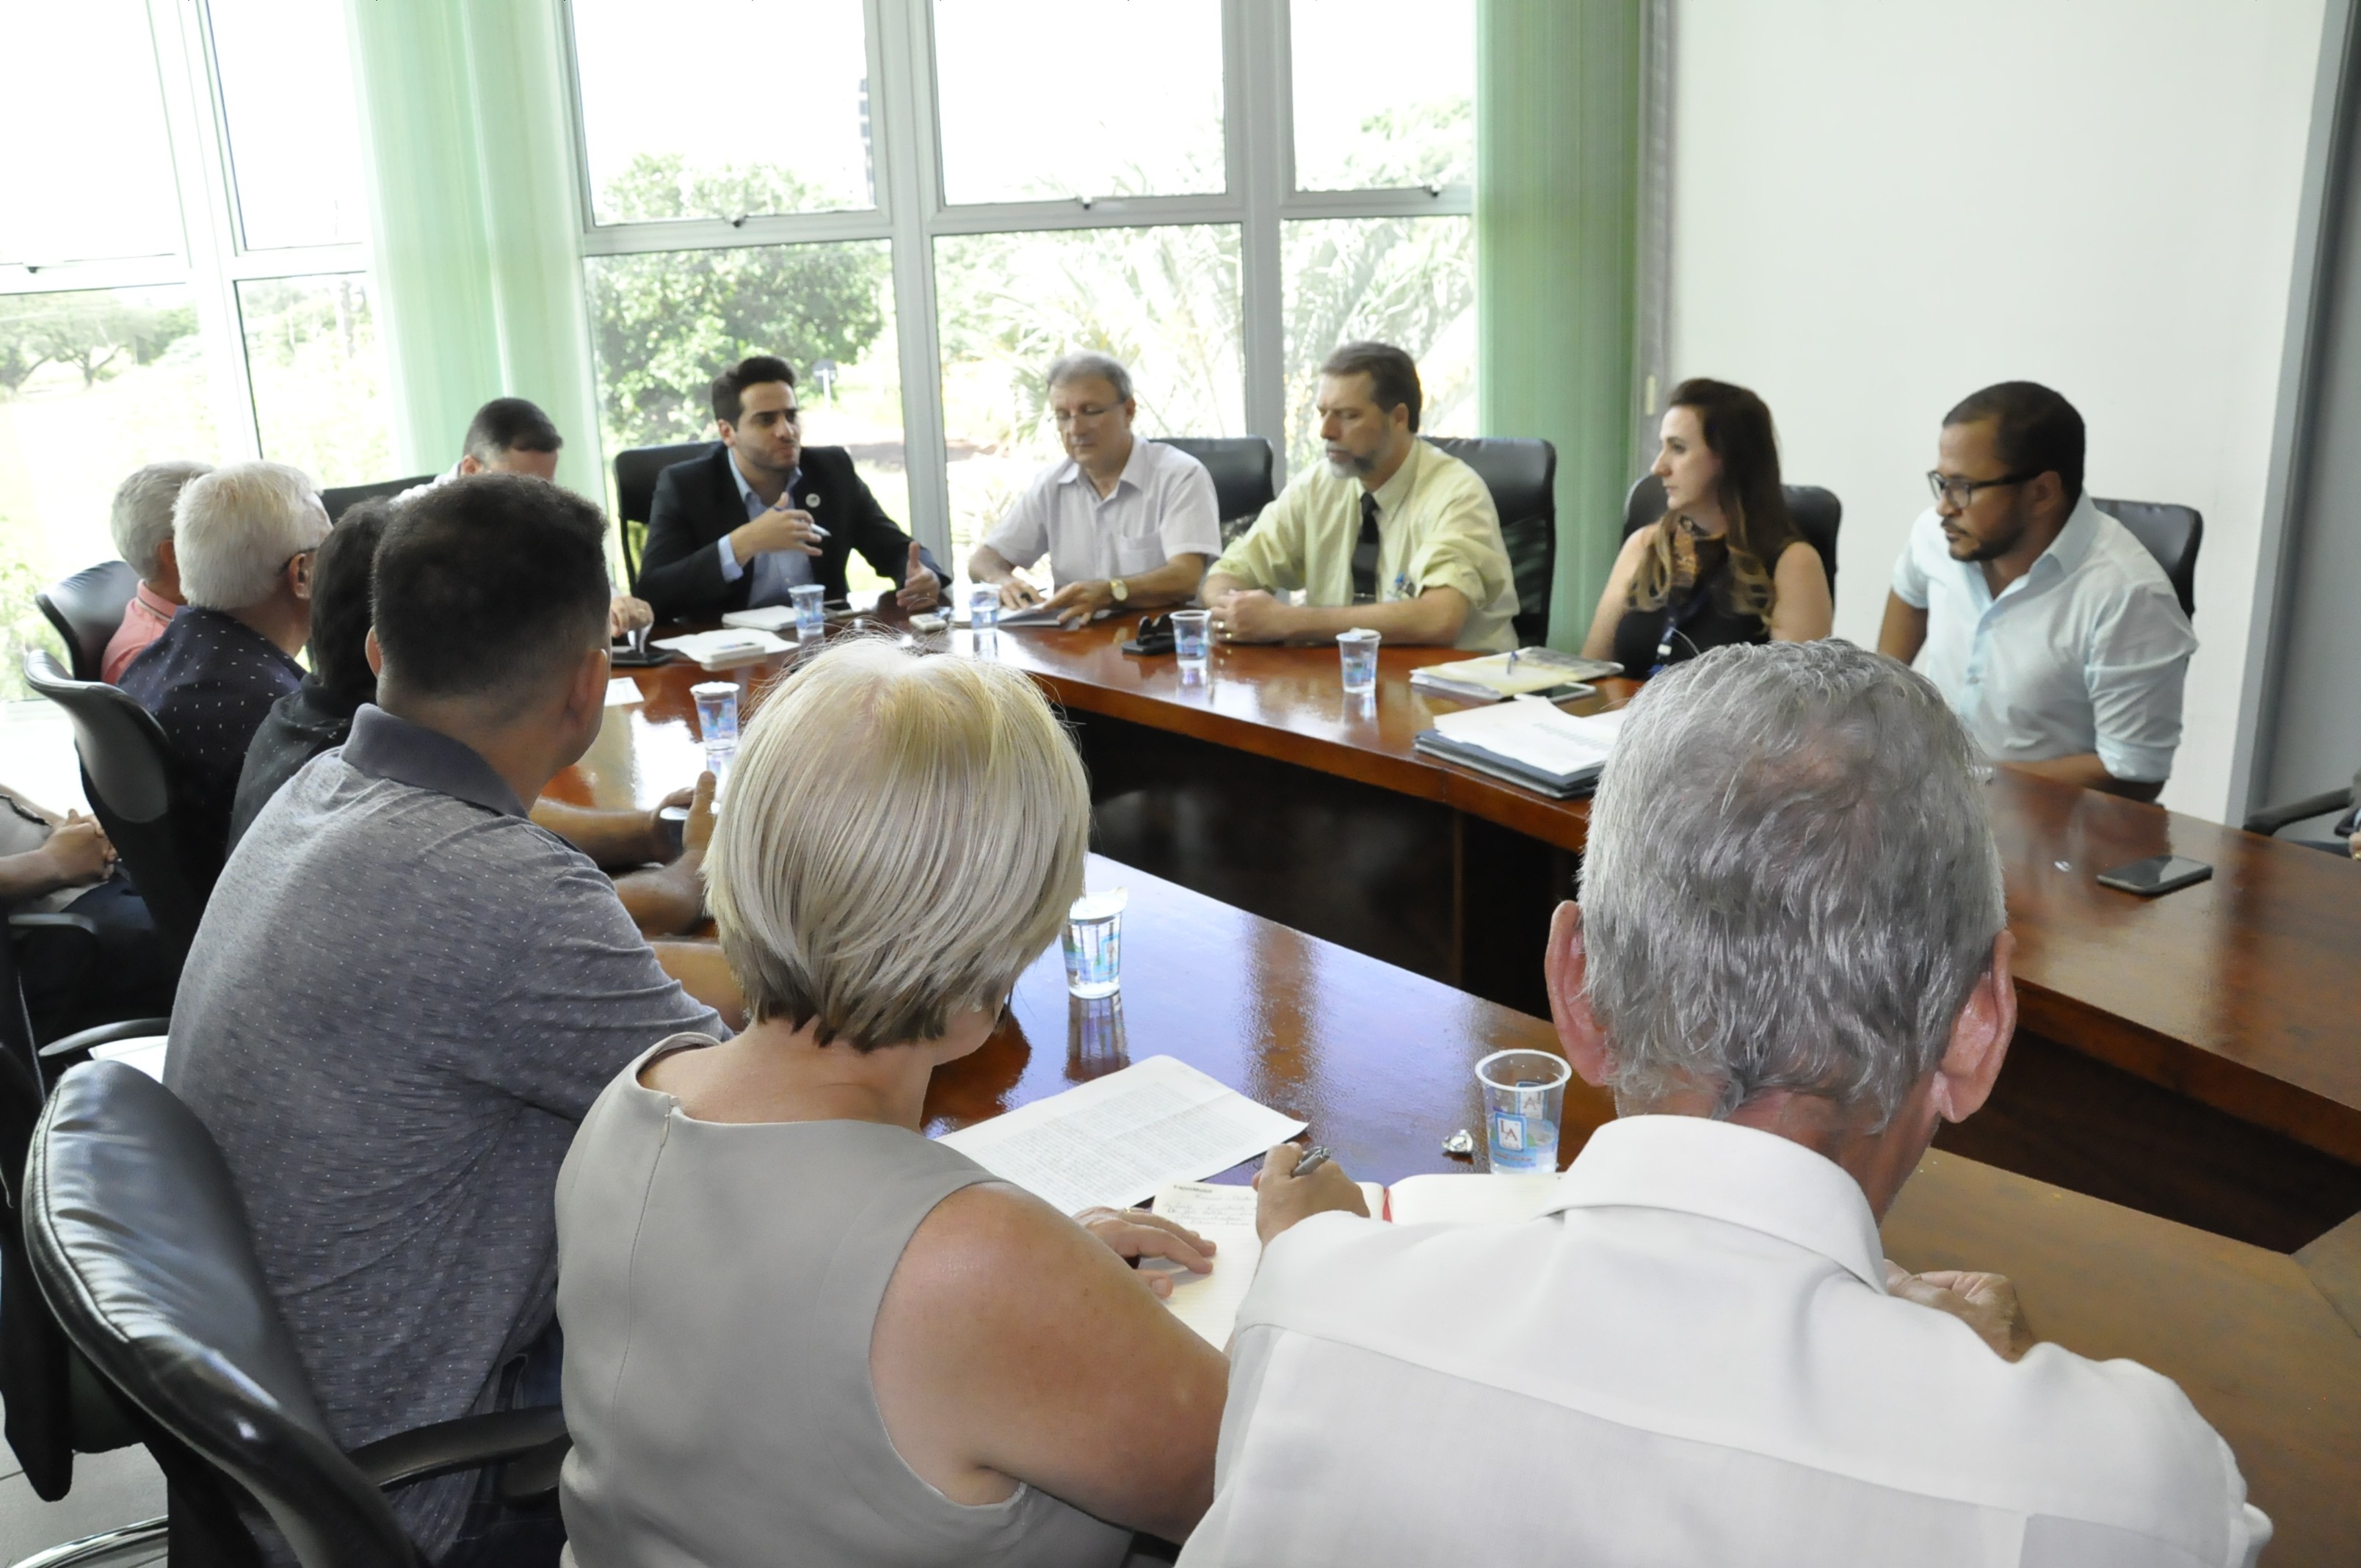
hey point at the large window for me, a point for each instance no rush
(955, 192)
(181, 271)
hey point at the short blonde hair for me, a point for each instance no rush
(234, 530)
(900, 838)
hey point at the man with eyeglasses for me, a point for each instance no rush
(1127, 525)
(2047, 626)
(244, 536)
(762, 514)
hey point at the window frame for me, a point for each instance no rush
(212, 259)
(911, 212)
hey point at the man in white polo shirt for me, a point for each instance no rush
(1127, 525)
(1790, 964)
(2047, 626)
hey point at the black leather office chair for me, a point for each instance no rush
(2171, 533)
(57, 1405)
(87, 610)
(138, 1242)
(126, 777)
(635, 493)
(1241, 467)
(1521, 474)
(1816, 513)
(343, 497)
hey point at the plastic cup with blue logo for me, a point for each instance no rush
(1193, 635)
(811, 620)
(1358, 649)
(1524, 1098)
(1094, 943)
(983, 606)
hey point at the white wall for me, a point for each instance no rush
(1881, 205)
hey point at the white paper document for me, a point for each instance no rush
(1209, 1303)
(621, 691)
(729, 644)
(1535, 733)
(1118, 1140)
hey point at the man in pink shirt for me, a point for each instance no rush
(142, 526)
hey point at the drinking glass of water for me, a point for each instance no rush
(717, 714)
(1524, 1098)
(1191, 636)
(811, 620)
(1094, 943)
(983, 606)
(1358, 649)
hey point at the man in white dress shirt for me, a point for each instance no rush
(1789, 964)
(2048, 627)
(1127, 525)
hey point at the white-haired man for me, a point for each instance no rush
(244, 536)
(1790, 963)
(1127, 525)
(142, 525)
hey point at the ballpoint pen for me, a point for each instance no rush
(1313, 1158)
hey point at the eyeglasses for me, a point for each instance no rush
(1961, 493)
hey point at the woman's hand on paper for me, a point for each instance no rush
(1282, 1198)
(1136, 1234)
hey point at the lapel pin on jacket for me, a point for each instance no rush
(811, 500)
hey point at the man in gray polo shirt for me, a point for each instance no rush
(404, 996)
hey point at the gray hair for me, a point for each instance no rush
(142, 519)
(235, 529)
(1791, 881)
(902, 835)
(1076, 367)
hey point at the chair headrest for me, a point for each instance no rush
(122, 749)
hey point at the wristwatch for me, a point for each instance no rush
(1119, 588)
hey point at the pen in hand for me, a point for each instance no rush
(1313, 1158)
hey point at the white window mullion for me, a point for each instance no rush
(179, 27)
(1262, 163)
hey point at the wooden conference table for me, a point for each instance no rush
(2196, 1055)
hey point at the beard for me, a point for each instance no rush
(1352, 466)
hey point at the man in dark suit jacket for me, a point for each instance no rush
(763, 514)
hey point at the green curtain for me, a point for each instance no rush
(467, 143)
(1558, 147)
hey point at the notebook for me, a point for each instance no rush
(728, 646)
(1208, 1303)
(1527, 741)
(1500, 675)
(1119, 1140)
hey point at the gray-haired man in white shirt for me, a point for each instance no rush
(1127, 525)
(1790, 964)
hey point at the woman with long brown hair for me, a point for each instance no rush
(1725, 563)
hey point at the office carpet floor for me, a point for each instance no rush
(109, 1489)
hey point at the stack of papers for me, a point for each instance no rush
(770, 617)
(1118, 1140)
(1500, 675)
(730, 645)
(1528, 742)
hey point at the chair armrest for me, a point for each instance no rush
(106, 1033)
(468, 1443)
(2271, 818)
(532, 1476)
(34, 920)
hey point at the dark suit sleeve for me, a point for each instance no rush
(879, 539)
(679, 574)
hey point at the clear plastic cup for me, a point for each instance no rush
(1358, 649)
(983, 606)
(717, 714)
(811, 620)
(1094, 943)
(1192, 636)
(1524, 1100)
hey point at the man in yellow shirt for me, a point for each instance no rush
(1390, 534)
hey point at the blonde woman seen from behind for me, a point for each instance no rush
(796, 1329)
(1725, 564)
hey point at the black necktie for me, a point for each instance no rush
(1365, 554)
